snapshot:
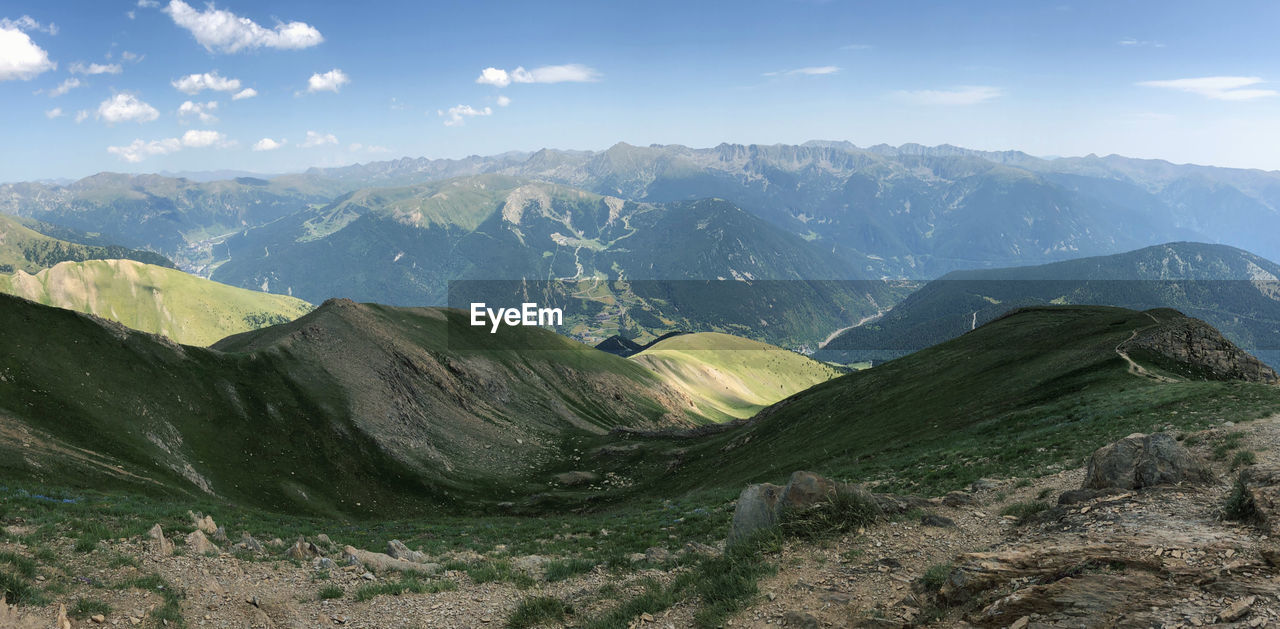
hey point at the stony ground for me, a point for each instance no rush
(1160, 557)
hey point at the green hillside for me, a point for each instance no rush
(1234, 290)
(355, 409)
(24, 248)
(183, 307)
(1030, 393)
(731, 377)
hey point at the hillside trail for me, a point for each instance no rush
(1134, 367)
(1157, 557)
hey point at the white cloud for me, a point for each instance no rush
(267, 144)
(318, 139)
(247, 92)
(124, 107)
(80, 67)
(148, 4)
(195, 83)
(224, 31)
(328, 82)
(806, 71)
(56, 112)
(458, 114)
(138, 150)
(203, 111)
(503, 101)
(203, 138)
(1216, 87)
(357, 147)
(131, 56)
(1130, 42)
(963, 95)
(570, 73)
(64, 87)
(82, 115)
(21, 58)
(28, 23)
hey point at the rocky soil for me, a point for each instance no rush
(1159, 556)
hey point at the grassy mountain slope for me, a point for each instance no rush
(1030, 393)
(23, 247)
(183, 307)
(350, 409)
(731, 377)
(1236, 291)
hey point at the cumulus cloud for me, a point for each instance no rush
(203, 111)
(1216, 87)
(570, 73)
(203, 138)
(458, 114)
(125, 107)
(195, 83)
(81, 67)
(806, 71)
(963, 95)
(328, 82)
(56, 112)
(28, 23)
(247, 92)
(503, 101)
(223, 31)
(21, 58)
(139, 150)
(267, 144)
(318, 139)
(64, 87)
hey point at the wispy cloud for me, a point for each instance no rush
(318, 139)
(56, 112)
(806, 71)
(960, 95)
(1130, 42)
(1216, 87)
(569, 73)
(28, 23)
(247, 92)
(65, 86)
(458, 114)
(81, 67)
(139, 150)
(223, 31)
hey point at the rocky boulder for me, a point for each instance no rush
(762, 506)
(757, 510)
(1140, 460)
(397, 550)
(159, 542)
(198, 544)
(383, 562)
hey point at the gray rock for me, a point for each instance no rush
(1139, 461)
(396, 549)
(159, 542)
(576, 479)
(220, 535)
(302, 550)
(933, 519)
(324, 539)
(247, 542)
(957, 499)
(323, 563)
(198, 544)
(383, 562)
(983, 484)
(756, 511)
(657, 554)
(802, 620)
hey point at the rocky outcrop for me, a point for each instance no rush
(762, 506)
(302, 550)
(198, 544)
(203, 523)
(397, 550)
(383, 562)
(159, 543)
(1140, 460)
(1201, 347)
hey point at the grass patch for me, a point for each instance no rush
(25, 566)
(86, 607)
(410, 584)
(17, 590)
(1239, 506)
(499, 571)
(331, 591)
(1024, 510)
(1243, 458)
(843, 512)
(564, 568)
(539, 610)
(935, 576)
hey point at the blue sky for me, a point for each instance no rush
(93, 86)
